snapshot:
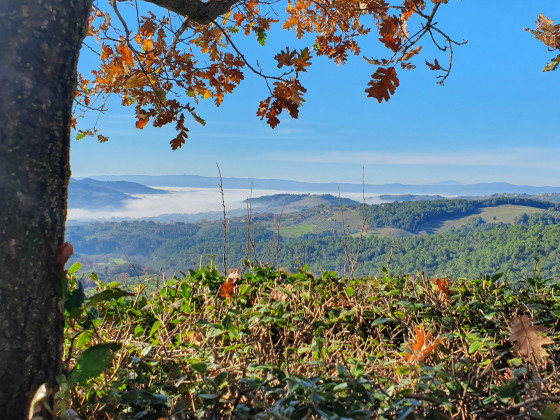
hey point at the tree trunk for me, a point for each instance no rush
(40, 42)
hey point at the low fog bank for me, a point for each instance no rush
(197, 203)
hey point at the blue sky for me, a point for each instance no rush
(496, 118)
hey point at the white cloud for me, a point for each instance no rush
(505, 157)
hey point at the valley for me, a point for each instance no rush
(444, 237)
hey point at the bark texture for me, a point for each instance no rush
(40, 42)
(200, 12)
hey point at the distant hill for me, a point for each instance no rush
(409, 197)
(449, 188)
(93, 194)
(300, 201)
(125, 187)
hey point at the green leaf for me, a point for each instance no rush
(75, 300)
(261, 36)
(93, 361)
(475, 346)
(108, 294)
(200, 367)
(509, 389)
(74, 267)
(350, 291)
(380, 321)
(207, 396)
(220, 378)
(340, 387)
(81, 134)
(550, 412)
(155, 327)
(553, 65)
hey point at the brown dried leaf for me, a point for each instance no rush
(227, 289)
(285, 58)
(382, 62)
(65, 251)
(434, 66)
(389, 31)
(528, 339)
(383, 84)
(441, 287)
(263, 108)
(547, 32)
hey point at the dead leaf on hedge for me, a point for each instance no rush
(421, 345)
(528, 339)
(227, 289)
(441, 287)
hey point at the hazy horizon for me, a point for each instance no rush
(495, 120)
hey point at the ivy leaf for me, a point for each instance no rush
(92, 362)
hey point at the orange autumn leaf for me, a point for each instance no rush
(388, 29)
(442, 287)
(227, 289)
(125, 54)
(421, 346)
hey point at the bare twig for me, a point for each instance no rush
(278, 236)
(388, 265)
(224, 221)
(347, 261)
(362, 229)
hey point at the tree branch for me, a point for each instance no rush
(199, 12)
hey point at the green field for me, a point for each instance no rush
(321, 222)
(500, 214)
(297, 230)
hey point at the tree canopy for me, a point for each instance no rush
(164, 63)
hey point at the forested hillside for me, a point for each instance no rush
(476, 247)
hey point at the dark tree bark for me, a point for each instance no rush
(40, 42)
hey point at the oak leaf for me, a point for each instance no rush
(421, 346)
(389, 31)
(528, 339)
(263, 108)
(547, 32)
(434, 66)
(285, 58)
(383, 84)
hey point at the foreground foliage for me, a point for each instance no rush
(267, 344)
